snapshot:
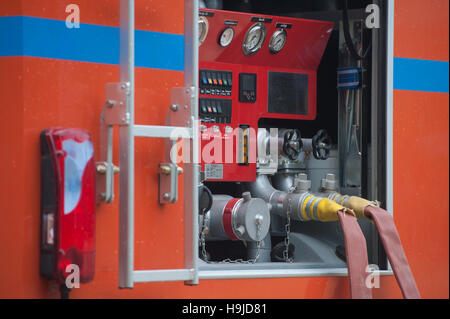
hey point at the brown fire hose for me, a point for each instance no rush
(390, 238)
(325, 210)
(394, 250)
(356, 253)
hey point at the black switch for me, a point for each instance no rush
(247, 87)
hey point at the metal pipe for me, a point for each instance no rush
(126, 149)
(284, 181)
(299, 204)
(307, 144)
(263, 252)
(191, 168)
(262, 188)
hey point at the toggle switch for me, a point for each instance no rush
(204, 79)
(210, 82)
(230, 80)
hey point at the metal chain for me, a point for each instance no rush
(202, 238)
(287, 229)
(228, 260)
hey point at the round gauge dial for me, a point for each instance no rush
(203, 26)
(226, 37)
(277, 41)
(254, 38)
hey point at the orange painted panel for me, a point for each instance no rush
(10, 8)
(12, 227)
(421, 29)
(421, 186)
(151, 15)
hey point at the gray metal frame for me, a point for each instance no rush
(390, 109)
(272, 270)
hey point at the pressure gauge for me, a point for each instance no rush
(254, 38)
(277, 41)
(226, 37)
(203, 26)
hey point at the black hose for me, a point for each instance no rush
(65, 292)
(347, 36)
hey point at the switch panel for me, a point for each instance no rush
(215, 111)
(213, 82)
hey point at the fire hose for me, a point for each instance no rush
(304, 206)
(390, 238)
(323, 209)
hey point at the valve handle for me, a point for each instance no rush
(321, 145)
(292, 144)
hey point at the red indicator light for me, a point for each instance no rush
(67, 204)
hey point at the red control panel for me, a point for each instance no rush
(252, 67)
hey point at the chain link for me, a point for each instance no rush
(287, 229)
(202, 237)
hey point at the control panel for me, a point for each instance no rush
(216, 82)
(215, 111)
(253, 68)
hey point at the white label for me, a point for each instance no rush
(213, 171)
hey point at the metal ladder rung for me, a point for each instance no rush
(158, 131)
(163, 275)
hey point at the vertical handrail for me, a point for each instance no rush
(390, 108)
(126, 149)
(191, 177)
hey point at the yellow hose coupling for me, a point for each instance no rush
(320, 209)
(355, 203)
